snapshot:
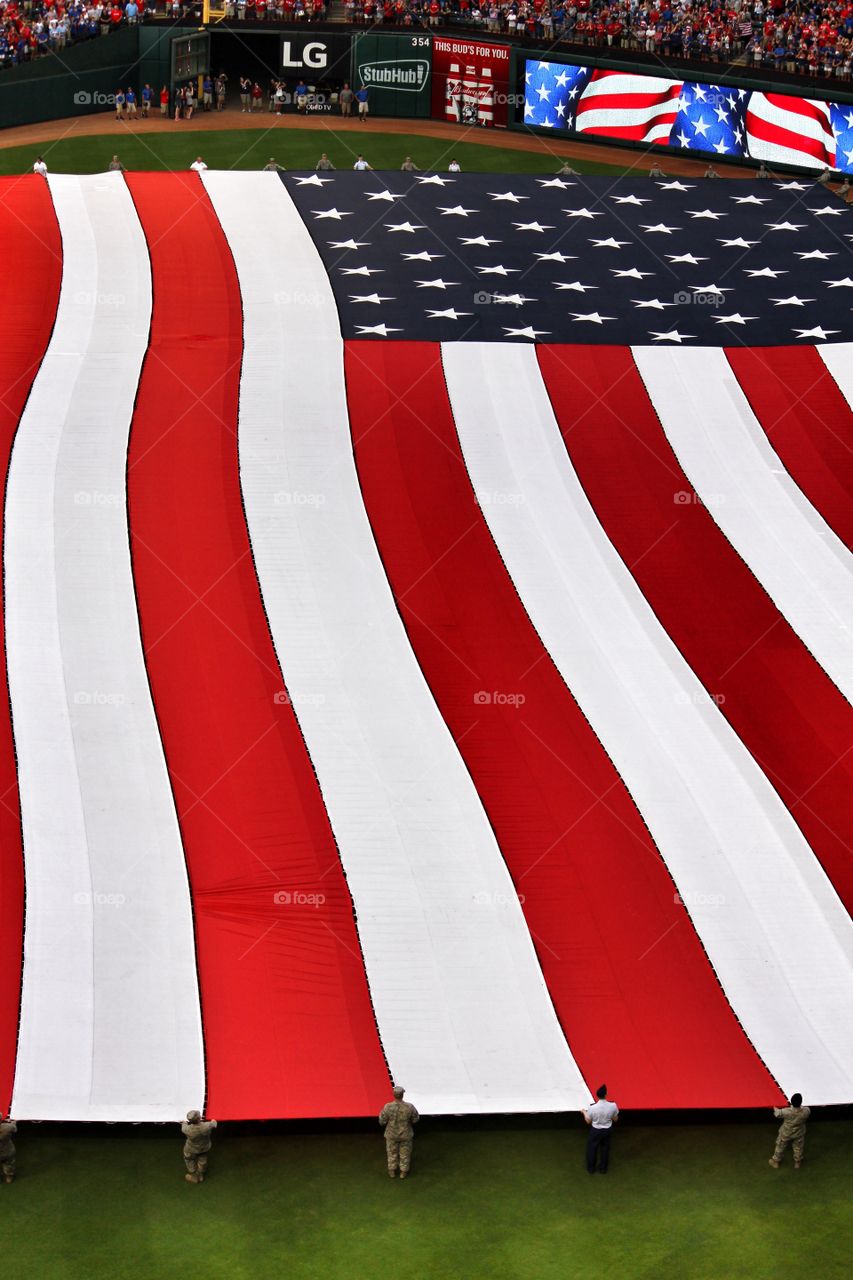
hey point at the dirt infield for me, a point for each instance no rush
(104, 123)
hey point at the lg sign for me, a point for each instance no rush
(314, 55)
(302, 53)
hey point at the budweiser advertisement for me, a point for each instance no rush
(470, 82)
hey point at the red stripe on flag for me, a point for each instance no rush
(757, 127)
(289, 1028)
(808, 422)
(782, 705)
(29, 296)
(629, 979)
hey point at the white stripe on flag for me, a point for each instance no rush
(805, 569)
(777, 935)
(463, 1011)
(838, 358)
(110, 1022)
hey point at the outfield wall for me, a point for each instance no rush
(488, 83)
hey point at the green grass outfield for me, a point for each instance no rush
(293, 148)
(484, 1202)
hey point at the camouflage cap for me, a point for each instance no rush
(398, 1091)
(193, 1116)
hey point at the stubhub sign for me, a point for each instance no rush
(408, 75)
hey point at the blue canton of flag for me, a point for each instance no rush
(551, 93)
(841, 117)
(711, 118)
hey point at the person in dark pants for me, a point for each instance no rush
(601, 1117)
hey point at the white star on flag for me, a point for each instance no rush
(629, 200)
(423, 256)
(527, 332)
(735, 318)
(532, 226)
(450, 314)
(705, 213)
(592, 316)
(631, 274)
(334, 214)
(383, 195)
(556, 182)
(499, 270)
(609, 243)
(404, 226)
(817, 332)
(582, 213)
(457, 211)
(472, 240)
(360, 271)
(816, 254)
(438, 283)
(314, 181)
(575, 286)
(672, 336)
(661, 227)
(652, 304)
(509, 196)
(793, 301)
(369, 297)
(765, 271)
(348, 244)
(556, 256)
(686, 257)
(381, 330)
(435, 180)
(737, 243)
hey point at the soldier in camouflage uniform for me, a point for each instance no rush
(7, 1148)
(792, 1129)
(397, 1118)
(198, 1134)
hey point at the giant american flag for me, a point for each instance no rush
(427, 607)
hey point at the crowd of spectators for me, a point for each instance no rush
(808, 37)
(29, 28)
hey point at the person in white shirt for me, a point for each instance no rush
(601, 1117)
(454, 167)
(40, 167)
(198, 165)
(361, 163)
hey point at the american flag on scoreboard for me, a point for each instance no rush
(390, 562)
(720, 119)
(788, 130)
